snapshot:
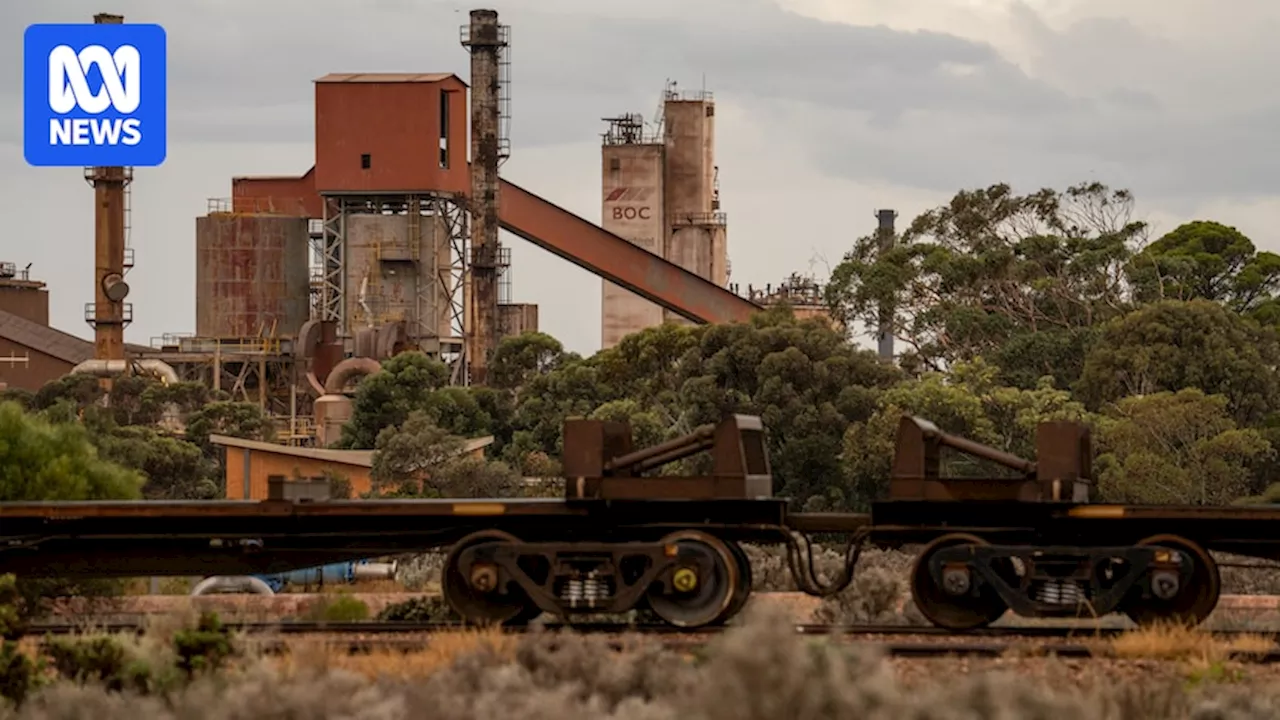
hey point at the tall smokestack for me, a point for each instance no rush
(110, 289)
(485, 41)
(884, 333)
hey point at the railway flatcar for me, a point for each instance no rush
(1025, 538)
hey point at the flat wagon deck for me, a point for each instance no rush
(103, 539)
(1025, 538)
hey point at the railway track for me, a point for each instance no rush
(898, 641)
(391, 628)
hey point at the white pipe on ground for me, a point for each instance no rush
(375, 571)
(232, 583)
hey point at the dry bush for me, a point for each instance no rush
(385, 586)
(759, 671)
(641, 669)
(1248, 581)
(442, 650)
(419, 609)
(879, 593)
(771, 574)
(421, 572)
(1179, 642)
(804, 680)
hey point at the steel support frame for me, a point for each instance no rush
(452, 211)
(603, 562)
(457, 226)
(271, 382)
(1082, 566)
(333, 283)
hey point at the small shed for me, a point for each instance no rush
(251, 462)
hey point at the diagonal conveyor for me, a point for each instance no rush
(593, 248)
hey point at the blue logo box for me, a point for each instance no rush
(94, 95)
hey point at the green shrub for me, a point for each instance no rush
(342, 609)
(103, 660)
(11, 620)
(19, 674)
(100, 659)
(203, 648)
(419, 609)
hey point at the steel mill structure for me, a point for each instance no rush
(400, 230)
(660, 191)
(390, 241)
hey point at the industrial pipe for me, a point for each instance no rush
(232, 583)
(345, 371)
(969, 447)
(663, 453)
(158, 369)
(314, 384)
(339, 573)
(101, 368)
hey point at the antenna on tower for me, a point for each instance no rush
(659, 117)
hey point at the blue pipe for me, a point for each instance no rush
(340, 573)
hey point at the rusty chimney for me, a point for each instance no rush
(109, 312)
(485, 39)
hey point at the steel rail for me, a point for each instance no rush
(388, 628)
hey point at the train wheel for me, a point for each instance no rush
(745, 581)
(953, 611)
(480, 606)
(703, 591)
(1194, 599)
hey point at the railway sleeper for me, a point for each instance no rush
(689, 578)
(962, 582)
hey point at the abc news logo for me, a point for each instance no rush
(69, 89)
(94, 95)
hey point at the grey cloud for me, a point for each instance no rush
(1120, 117)
(868, 68)
(922, 109)
(235, 57)
(230, 60)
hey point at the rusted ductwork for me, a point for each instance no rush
(346, 371)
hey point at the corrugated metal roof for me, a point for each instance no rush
(386, 78)
(41, 338)
(361, 458)
(54, 343)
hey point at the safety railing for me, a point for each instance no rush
(703, 218)
(223, 346)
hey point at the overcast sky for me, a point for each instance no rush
(827, 110)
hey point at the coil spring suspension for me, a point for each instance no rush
(585, 591)
(1060, 592)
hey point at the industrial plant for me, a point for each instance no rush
(306, 281)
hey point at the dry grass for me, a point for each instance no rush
(1182, 643)
(164, 586)
(440, 650)
(371, 587)
(759, 671)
